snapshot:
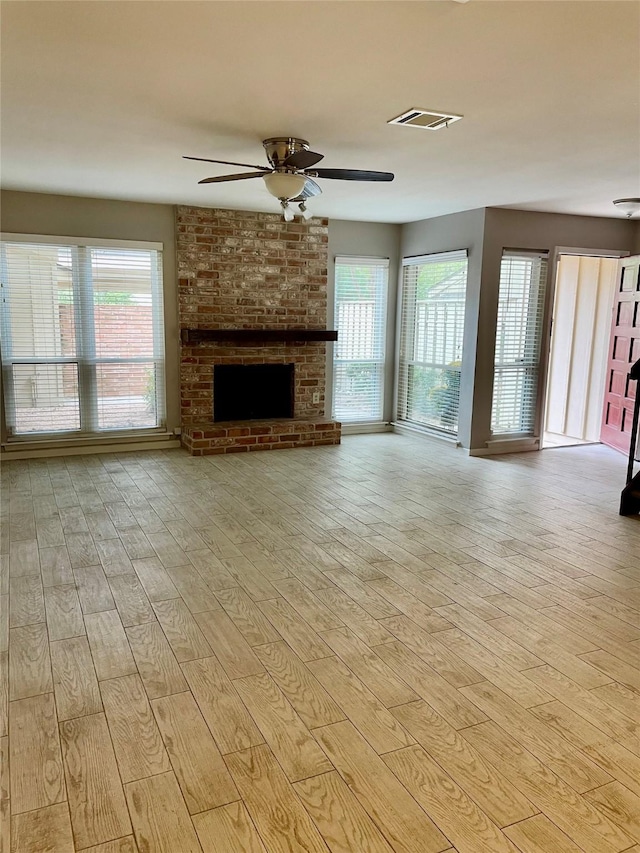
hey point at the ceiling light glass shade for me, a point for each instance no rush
(287, 213)
(304, 211)
(284, 184)
(628, 206)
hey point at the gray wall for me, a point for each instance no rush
(368, 240)
(484, 232)
(69, 216)
(523, 229)
(443, 234)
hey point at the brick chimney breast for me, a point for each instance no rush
(242, 269)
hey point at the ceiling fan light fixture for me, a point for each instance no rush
(628, 206)
(284, 185)
(304, 211)
(288, 177)
(287, 213)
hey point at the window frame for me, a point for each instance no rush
(85, 357)
(406, 335)
(380, 318)
(537, 329)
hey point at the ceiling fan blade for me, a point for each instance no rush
(226, 163)
(303, 159)
(352, 175)
(221, 178)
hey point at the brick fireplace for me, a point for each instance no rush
(252, 288)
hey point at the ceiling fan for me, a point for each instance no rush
(290, 176)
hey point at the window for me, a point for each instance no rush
(523, 279)
(82, 336)
(431, 337)
(360, 317)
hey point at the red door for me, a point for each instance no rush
(624, 350)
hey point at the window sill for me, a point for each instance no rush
(406, 428)
(507, 444)
(32, 448)
(361, 427)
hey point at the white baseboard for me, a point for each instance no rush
(361, 429)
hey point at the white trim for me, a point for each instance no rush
(525, 253)
(404, 429)
(436, 257)
(49, 441)
(79, 241)
(411, 329)
(169, 443)
(380, 272)
(591, 253)
(86, 359)
(497, 447)
(359, 260)
(76, 437)
(363, 428)
(525, 351)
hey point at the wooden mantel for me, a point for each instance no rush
(197, 336)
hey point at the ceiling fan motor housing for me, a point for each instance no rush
(278, 148)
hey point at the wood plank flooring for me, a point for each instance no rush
(381, 647)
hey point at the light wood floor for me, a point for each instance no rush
(384, 646)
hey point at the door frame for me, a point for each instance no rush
(634, 452)
(545, 353)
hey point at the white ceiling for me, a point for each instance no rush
(102, 99)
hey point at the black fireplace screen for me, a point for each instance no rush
(244, 392)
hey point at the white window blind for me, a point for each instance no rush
(82, 337)
(523, 281)
(359, 354)
(431, 338)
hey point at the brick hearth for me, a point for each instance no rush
(248, 270)
(238, 436)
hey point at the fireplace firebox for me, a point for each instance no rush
(243, 392)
